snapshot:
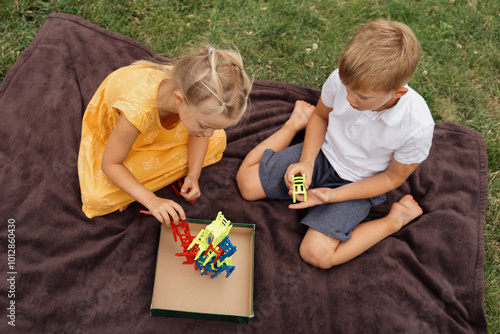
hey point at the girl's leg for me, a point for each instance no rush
(248, 175)
(323, 251)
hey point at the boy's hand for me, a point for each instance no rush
(190, 189)
(164, 210)
(315, 197)
(300, 168)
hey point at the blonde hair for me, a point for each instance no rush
(208, 72)
(382, 56)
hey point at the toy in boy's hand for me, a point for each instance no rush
(210, 250)
(299, 187)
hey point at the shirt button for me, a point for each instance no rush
(356, 126)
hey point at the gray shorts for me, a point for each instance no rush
(334, 219)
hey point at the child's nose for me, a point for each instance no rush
(350, 98)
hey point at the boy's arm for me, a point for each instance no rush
(314, 138)
(372, 186)
(197, 149)
(378, 184)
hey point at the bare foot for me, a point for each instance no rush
(300, 115)
(403, 212)
(123, 208)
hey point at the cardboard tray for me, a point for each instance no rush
(180, 290)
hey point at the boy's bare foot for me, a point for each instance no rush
(300, 115)
(123, 208)
(403, 212)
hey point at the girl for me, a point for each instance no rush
(150, 124)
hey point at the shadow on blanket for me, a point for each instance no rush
(77, 275)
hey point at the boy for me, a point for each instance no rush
(367, 134)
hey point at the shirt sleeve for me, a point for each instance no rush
(417, 146)
(330, 88)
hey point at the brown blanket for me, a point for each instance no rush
(76, 275)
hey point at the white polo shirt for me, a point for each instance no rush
(359, 144)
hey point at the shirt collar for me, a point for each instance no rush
(391, 116)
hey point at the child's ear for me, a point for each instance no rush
(179, 98)
(399, 92)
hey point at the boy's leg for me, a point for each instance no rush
(248, 175)
(323, 251)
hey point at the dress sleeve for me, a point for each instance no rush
(135, 113)
(129, 93)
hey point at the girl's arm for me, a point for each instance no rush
(117, 148)
(314, 138)
(197, 149)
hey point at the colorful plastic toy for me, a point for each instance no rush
(224, 266)
(299, 187)
(211, 253)
(178, 191)
(189, 254)
(182, 231)
(202, 241)
(210, 250)
(219, 228)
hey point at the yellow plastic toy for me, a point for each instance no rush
(219, 229)
(299, 187)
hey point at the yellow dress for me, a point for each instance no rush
(158, 157)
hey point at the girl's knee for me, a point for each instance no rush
(97, 203)
(94, 201)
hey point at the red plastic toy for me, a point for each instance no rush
(178, 191)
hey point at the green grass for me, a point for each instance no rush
(458, 73)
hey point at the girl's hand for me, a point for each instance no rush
(190, 189)
(300, 168)
(166, 211)
(315, 197)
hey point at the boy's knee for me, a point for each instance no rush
(247, 186)
(244, 186)
(316, 256)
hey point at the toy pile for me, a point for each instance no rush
(210, 250)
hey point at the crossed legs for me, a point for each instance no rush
(324, 252)
(248, 175)
(319, 249)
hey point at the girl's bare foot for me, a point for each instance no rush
(300, 115)
(403, 212)
(123, 208)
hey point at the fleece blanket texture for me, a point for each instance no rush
(78, 275)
